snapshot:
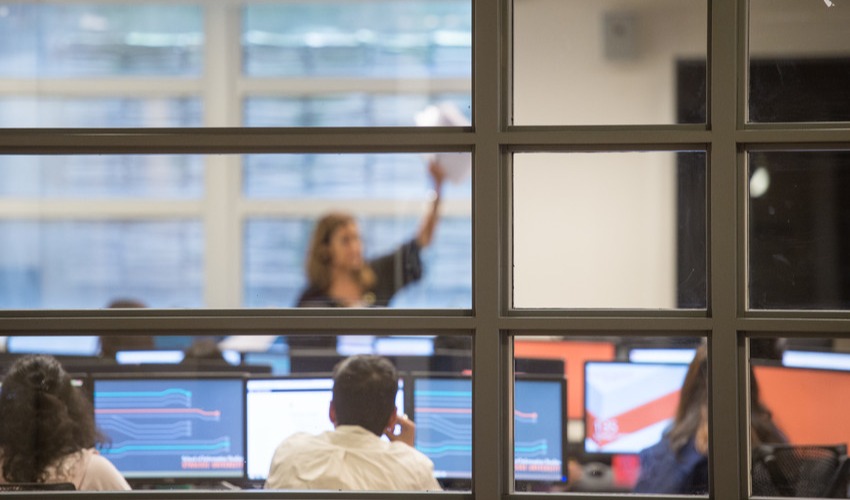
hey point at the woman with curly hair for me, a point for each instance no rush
(48, 433)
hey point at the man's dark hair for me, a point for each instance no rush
(364, 392)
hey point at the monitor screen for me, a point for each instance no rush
(812, 359)
(156, 356)
(805, 403)
(172, 428)
(442, 410)
(56, 346)
(629, 405)
(661, 355)
(280, 407)
(407, 345)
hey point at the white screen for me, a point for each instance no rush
(278, 408)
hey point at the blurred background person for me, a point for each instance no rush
(678, 464)
(339, 276)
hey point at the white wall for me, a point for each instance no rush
(597, 230)
(600, 231)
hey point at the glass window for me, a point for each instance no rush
(198, 412)
(604, 230)
(798, 220)
(600, 414)
(85, 264)
(387, 39)
(608, 63)
(294, 196)
(101, 177)
(798, 420)
(81, 231)
(798, 61)
(356, 109)
(44, 40)
(26, 110)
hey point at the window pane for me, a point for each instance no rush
(798, 416)
(609, 230)
(598, 414)
(387, 39)
(387, 196)
(359, 109)
(75, 264)
(41, 40)
(798, 222)
(608, 63)
(798, 61)
(32, 111)
(188, 412)
(102, 177)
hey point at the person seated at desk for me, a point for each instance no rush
(353, 456)
(678, 464)
(48, 432)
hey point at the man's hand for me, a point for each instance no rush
(406, 435)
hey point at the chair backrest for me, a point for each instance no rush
(37, 486)
(818, 471)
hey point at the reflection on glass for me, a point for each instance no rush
(67, 40)
(807, 403)
(798, 227)
(798, 61)
(603, 230)
(607, 63)
(87, 264)
(104, 177)
(380, 38)
(587, 419)
(234, 408)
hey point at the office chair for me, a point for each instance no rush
(800, 471)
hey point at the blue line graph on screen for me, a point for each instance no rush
(172, 428)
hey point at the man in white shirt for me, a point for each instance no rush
(353, 456)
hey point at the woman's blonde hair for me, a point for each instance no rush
(319, 257)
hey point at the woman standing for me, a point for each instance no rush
(339, 276)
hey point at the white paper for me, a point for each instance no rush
(457, 166)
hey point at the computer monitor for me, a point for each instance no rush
(155, 356)
(406, 345)
(805, 403)
(442, 410)
(278, 407)
(86, 345)
(661, 355)
(171, 427)
(627, 406)
(814, 359)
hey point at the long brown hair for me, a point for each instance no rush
(692, 414)
(319, 257)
